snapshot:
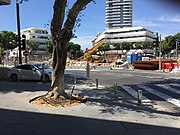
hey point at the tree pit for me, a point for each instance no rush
(61, 101)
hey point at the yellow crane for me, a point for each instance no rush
(95, 47)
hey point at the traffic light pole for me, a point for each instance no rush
(160, 54)
(176, 49)
(19, 33)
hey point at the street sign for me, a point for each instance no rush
(26, 53)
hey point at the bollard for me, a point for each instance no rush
(96, 83)
(74, 80)
(43, 74)
(71, 94)
(87, 70)
(139, 96)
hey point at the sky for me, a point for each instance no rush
(151, 14)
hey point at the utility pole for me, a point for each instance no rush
(18, 30)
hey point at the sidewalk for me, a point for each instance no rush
(105, 113)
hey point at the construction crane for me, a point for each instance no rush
(95, 47)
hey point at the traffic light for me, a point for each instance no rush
(156, 40)
(23, 42)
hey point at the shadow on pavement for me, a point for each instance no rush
(118, 103)
(30, 123)
(34, 86)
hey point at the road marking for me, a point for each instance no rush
(161, 95)
(168, 88)
(133, 93)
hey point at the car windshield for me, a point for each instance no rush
(39, 66)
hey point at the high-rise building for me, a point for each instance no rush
(118, 13)
(119, 25)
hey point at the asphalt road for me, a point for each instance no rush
(122, 77)
(162, 89)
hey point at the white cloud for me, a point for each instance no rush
(170, 18)
(144, 23)
(84, 41)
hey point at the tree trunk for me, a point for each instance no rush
(59, 63)
(61, 34)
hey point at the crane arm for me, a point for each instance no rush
(95, 47)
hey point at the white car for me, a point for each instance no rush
(30, 72)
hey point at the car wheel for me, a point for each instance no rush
(14, 78)
(46, 78)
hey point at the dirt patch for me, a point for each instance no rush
(60, 103)
(46, 101)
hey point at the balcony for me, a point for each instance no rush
(5, 2)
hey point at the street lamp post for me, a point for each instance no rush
(18, 30)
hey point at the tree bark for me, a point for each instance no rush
(61, 35)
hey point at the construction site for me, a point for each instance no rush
(120, 59)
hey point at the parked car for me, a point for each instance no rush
(30, 72)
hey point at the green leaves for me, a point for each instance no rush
(123, 46)
(170, 43)
(105, 47)
(8, 40)
(32, 45)
(74, 50)
(49, 46)
(2, 52)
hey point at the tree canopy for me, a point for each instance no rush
(8, 40)
(74, 50)
(169, 43)
(32, 45)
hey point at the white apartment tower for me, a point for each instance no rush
(118, 14)
(119, 25)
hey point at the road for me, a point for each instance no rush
(162, 90)
(122, 77)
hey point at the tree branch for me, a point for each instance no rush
(58, 17)
(72, 16)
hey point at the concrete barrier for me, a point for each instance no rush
(91, 67)
(103, 68)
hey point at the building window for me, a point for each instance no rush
(41, 32)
